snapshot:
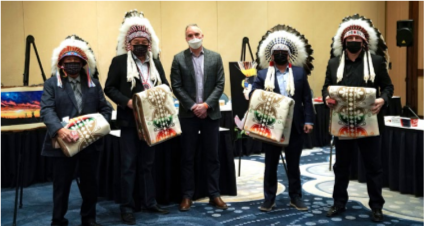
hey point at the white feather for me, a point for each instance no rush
(365, 68)
(121, 47)
(340, 71)
(79, 44)
(373, 36)
(299, 45)
(270, 77)
(132, 71)
(290, 86)
(372, 70)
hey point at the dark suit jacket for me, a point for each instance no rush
(118, 89)
(303, 109)
(57, 103)
(184, 82)
(383, 85)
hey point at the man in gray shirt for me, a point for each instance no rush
(197, 79)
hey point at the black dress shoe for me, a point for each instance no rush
(335, 210)
(63, 222)
(298, 204)
(267, 206)
(90, 223)
(128, 218)
(157, 209)
(377, 215)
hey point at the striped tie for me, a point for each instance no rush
(78, 95)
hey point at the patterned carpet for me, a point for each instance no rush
(317, 191)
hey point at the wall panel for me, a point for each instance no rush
(235, 23)
(12, 43)
(224, 25)
(397, 11)
(54, 25)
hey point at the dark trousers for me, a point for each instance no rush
(370, 149)
(209, 140)
(292, 156)
(137, 158)
(63, 174)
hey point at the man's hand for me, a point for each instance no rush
(65, 134)
(376, 107)
(200, 111)
(130, 104)
(308, 128)
(330, 102)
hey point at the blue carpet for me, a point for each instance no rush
(38, 207)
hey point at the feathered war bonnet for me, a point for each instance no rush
(74, 46)
(136, 25)
(362, 27)
(283, 37)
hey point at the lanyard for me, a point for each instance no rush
(145, 82)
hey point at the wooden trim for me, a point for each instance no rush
(420, 90)
(396, 11)
(412, 60)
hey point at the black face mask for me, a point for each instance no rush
(280, 58)
(72, 68)
(354, 47)
(140, 50)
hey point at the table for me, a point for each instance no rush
(394, 107)
(226, 120)
(320, 136)
(38, 169)
(402, 159)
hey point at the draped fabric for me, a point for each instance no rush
(394, 107)
(156, 117)
(38, 169)
(351, 116)
(402, 158)
(319, 137)
(269, 117)
(167, 170)
(402, 161)
(89, 128)
(35, 168)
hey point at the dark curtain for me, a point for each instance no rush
(402, 161)
(320, 136)
(35, 168)
(401, 156)
(38, 169)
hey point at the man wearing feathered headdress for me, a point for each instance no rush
(359, 58)
(135, 69)
(70, 92)
(285, 58)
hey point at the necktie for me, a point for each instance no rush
(78, 95)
